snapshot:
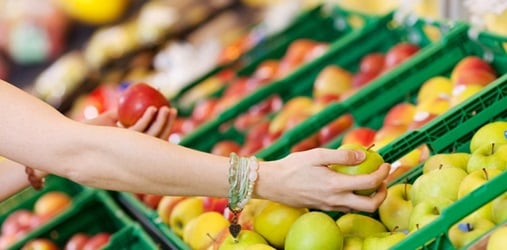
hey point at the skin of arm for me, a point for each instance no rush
(119, 159)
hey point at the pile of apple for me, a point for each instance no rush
(447, 177)
(79, 241)
(436, 96)
(333, 83)
(20, 222)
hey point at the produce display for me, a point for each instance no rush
(423, 94)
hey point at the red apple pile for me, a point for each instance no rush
(78, 241)
(20, 222)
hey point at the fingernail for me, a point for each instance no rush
(360, 155)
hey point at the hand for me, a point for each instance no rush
(304, 180)
(157, 124)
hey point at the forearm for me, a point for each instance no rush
(12, 177)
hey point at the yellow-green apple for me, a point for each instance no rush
(335, 128)
(498, 211)
(354, 224)
(183, 212)
(442, 183)
(497, 239)
(245, 239)
(463, 92)
(352, 243)
(371, 163)
(200, 232)
(397, 207)
(314, 230)
(383, 241)
(274, 220)
(426, 211)
(488, 156)
(435, 87)
(260, 246)
(400, 114)
(166, 206)
(372, 63)
(493, 132)
(467, 230)
(446, 160)
(361, 135)
(250, 211)
(40, 244)
(399, 53)
(332, 81)
(473, 181)
(470, 63)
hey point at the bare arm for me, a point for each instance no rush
(34, 134)
(13, 178)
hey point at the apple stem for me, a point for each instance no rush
(485, 173)
(417, 226)
(370, 147)
(435, 211)
(492, 148)
(211, 237)
(440, 166)
(469, 227)
(405, 196)
(394, 229)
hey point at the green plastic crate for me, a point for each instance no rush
(452, 133)
(320, 24)
(496, 43)
(132, 237)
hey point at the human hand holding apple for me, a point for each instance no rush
(372, 162)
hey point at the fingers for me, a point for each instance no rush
(324, 156)
(161, 127)
(173, 113)
(143, 123)
(366, 181)
(368, 203)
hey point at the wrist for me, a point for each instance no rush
(266, 187)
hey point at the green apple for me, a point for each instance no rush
(498, 211)
(426, 211)
(382, 241)
(200, 231)
(474, 180)
(445, 160)
(443, 183)
(314, 230)
(353, 224)
(371, 163)
(352, 243)
(493, 132)
(184, 212)
(260, 246)
(246, 238)
(498, 239)
(395, 210)
(466, 231)
(488, 156)
(274, 220)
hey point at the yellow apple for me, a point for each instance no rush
(200, 232)
(246, 239)
(359, 225)
(274, 221)
(463, 92)
(184, 212)
(435, 87)
(166, 206)
(332, 81)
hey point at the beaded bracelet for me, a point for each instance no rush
(243, 173)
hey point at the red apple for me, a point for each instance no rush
(400, 114)
(52, 203)
(151, 200)
(399, 53)
(19, 220)
(97, 241)
(372, 63)
(216, 204)
(238, 87)
(332, 80)
(225, 148)
(134, 101)
(420, 120)
(76, 242)
(258, 131)
(267, 70)
(203, 110)
(335, 128)
(306, 144)
(361, 79)
(474, 77)
(361, 135)
(471, 63)
(251, 147)
(40, 244)
(7, 240)
(272, 104)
